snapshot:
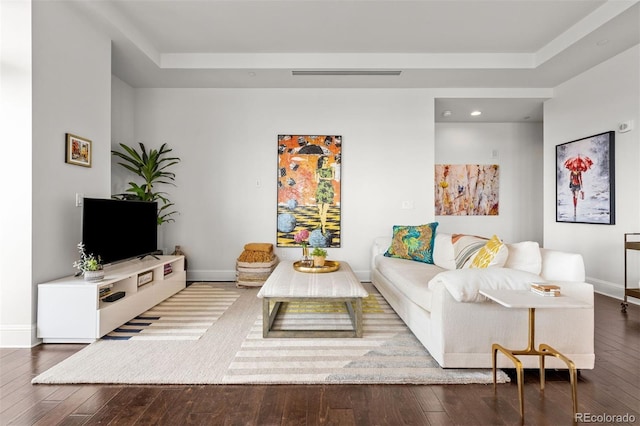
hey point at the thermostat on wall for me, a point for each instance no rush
(626, 126)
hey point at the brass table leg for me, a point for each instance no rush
(544, 350)
(573, 373)
(519, 376)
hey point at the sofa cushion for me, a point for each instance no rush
(413, 242)
(465, 247)
(524, 256)
(493, 254)
(411, 278)
(443, 253)
(465, 284)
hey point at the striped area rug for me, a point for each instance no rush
(232, 350)
(387, 353)
(187, 315)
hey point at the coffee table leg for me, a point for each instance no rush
(268, 317)
(265, 317)
(355, 314)
(358, 325)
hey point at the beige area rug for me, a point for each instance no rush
(232, 351)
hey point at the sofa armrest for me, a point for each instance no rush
(562, 266)
(380, 246)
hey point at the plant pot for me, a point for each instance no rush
(318, 260)
(94, 276)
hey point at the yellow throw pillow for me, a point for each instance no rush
(493, 253)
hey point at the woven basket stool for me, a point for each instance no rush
(255, 264)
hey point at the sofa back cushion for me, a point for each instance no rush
(524, 256)
(562, 266)
(443, 254)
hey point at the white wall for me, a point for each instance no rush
(122, 129)
(227, 140)
(595, 102)
(71, 93)
(518, 152)
(15, 215)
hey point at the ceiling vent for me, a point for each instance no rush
(347, 72)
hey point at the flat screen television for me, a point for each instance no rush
(118, 230)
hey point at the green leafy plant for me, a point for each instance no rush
(87, 262)
(320, 252)
(152, 166)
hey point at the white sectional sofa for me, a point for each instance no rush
(441, 305)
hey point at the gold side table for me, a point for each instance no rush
(531, 301)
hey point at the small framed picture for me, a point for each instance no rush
(145, 278)
(78, 151)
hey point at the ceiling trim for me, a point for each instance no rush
(120, 26)
(581, 29)
(346, 60)
(166, 60)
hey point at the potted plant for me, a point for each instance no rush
(152, 166)
(319, 255)
(89, 265)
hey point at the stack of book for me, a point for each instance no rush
(545, 289)
(105, 291)
(168, 269)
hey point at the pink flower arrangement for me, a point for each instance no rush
(301, 237)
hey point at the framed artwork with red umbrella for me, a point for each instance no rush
(585, 184)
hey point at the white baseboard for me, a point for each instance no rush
(18, 336)
(613, 290)
(211, 275)
(215, 275)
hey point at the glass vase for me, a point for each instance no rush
(306, 260)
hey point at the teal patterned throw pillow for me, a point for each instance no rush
(413, 242)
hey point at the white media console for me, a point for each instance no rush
(71, 310)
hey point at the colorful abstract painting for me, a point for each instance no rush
(585, 191)
(467, 189)
(309, 190)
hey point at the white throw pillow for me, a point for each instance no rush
(465, 284)
(524, 256)
(443, 253)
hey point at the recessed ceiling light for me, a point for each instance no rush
(475, 113)
(252, 74)
(446, 113)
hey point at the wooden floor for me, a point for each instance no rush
(611, 389)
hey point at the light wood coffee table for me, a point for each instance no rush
(285, 284)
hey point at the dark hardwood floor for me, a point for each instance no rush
(611, 389)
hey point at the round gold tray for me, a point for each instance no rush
(329, 266)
